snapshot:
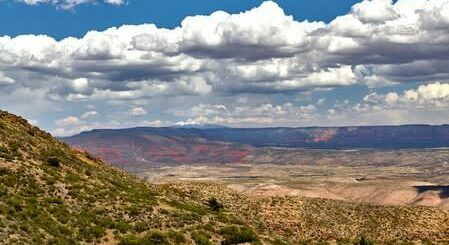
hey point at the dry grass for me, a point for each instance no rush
(52, 194)
(299, 220)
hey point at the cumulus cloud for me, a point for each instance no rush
(425, 104)
(80, 85)
(262, 50)
(224, 56)
(425, 96)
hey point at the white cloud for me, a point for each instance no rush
(114, 2)
(377, 11)
(243, 115)
(68, 121)
(262, 50)
(33, 122)
(89, 114)
(69, 4)
(80, 85)
(137, 111)
(432, 95)
(215, 59)
(425, 104)
(4, 80)
(156, 123)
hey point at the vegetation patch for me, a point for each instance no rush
(236, 234)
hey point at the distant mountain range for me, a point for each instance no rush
(179, 145)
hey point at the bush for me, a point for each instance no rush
(201, 239)
(235, 235)
(5, 171)
(152, 238)
(364, 241)
(214, 204)
(54, 162)
(176, 237)
(129, 240)
(155, 237)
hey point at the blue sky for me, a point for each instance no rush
(59, 23)
(237, 63)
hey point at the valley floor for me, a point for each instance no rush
(410, 177)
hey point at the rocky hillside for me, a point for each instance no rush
(52, 194)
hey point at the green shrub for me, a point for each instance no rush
(187, 206)
(97, 231)
(54, 162)
(121, 226)
(201, 239)
(3, 191)
(129, 240)
(176, 237)
(53, 200)
(235, 235)
(152, 238)
(214, 204)
(364, 241)
(155, 237)
(140, 226)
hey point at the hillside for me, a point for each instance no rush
(52, 194)
(153, 146)
(293, 220)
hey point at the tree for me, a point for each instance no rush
(214, 204)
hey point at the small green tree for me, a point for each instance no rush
(364, 241)
(214, 204)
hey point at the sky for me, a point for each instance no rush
(74, 65)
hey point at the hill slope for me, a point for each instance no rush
(296, 220)
(52, 194)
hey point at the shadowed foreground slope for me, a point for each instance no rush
(52, 194)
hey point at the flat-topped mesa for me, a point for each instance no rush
(145, 146)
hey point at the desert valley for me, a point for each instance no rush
(224, 122)
(384, 174)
